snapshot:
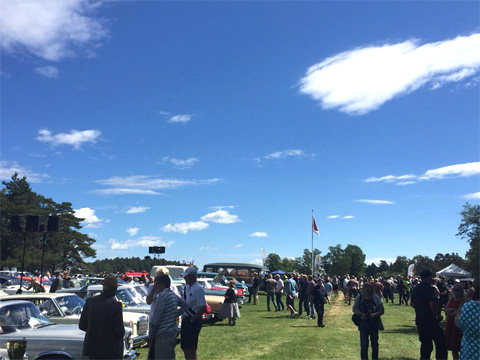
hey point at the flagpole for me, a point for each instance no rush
(312, 247)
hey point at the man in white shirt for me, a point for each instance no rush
(192, 318)
(279, 293)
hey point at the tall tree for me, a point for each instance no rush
(66, 248)
(469, 229)
(335, 262)
(400, 266)
(356, 259)
(371, 270)
(304, 264)
(273, 262)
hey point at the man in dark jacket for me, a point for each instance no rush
(102, 320)
(319, 297)
(57, 283)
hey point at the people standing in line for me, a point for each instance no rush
(102, 321)
(401, 291)
(335, 285)
(192, 319)
(163, 325)
(319, 298)
(291, 291)
(369, 308)
(328, 288)
(443, 289)
(407, 290)
(311, 285)
(345, 288)
(302, 296)
(352, 289)
(255, 286)
(427, 317)
(467, 319)
(270, 286)
(279, 293)
(453, 334)
(378, 288)
(57, 284)
(229, 307)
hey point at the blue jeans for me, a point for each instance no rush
(271, 296)
(279, 301)
(312, 309)
(367, 332)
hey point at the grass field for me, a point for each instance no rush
(273, 335)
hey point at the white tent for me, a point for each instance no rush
(453, 270)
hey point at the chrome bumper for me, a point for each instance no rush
(140, 340)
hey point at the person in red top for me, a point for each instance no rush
(453, 334)
(378, 288)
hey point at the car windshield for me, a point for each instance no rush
(71, 304)
(21, 316)
(129, 297)
(207, 284)
(15, 281)
(142, 290)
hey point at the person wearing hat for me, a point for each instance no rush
(102, 321)
(194, 295)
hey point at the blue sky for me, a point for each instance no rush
(214, 128)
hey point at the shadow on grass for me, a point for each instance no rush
(403, 329)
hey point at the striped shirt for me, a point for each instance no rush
(166, 313)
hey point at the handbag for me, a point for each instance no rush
(356, 319)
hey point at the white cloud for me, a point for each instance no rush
(473, 196)
(144, 241)
(348, 217)
(180, 118)
(181, 163)
(137, 209)
(221, 217)
(132, 231)
(377, 260)
(278, 155)
(333, 216)
(445, 172)
(375, 202)
(90, 219)
(146, 184)
(50, 29)
(164, 113)
(208, 248)
(238, 245)
(363, 79)
(75, 138)
(185, 227)
(259, 234)
(221, 207)
(7, 170)
(47, 71)
(258, 261)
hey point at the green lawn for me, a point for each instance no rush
(273, 335)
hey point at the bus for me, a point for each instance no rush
(240, 271)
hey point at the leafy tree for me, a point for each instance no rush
(424, 263)
(335, 262)
(400, 266)
(371, 270)
(383, 268)
(444, 260)
(288, 265)
(356, 259)
(304, 264)
(66, 248)
(273, 262)
(469, 229)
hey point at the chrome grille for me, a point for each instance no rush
(142, 325)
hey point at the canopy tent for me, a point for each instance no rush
(453, 270)
(280, 272)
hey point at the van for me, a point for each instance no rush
(175, 271)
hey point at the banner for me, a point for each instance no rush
(411, 270)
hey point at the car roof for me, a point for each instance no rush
(14, 302)
(39, 295)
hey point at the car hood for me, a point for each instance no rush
(138, 309)
(64, 332)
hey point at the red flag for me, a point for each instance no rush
(314, 225)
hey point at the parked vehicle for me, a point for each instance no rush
(175, 271)
(45, 339)
(12, 285)
(65, 308)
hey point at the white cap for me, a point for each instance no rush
(190, 271)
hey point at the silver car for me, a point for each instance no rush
(45, 340)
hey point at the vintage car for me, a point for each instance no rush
(129, 298)
(65, 308)
(12, 285)
(45, 340)
(214, 302)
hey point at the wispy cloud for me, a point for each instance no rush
(7, 170)
(180, 118)
(283, 154)
(375, 202)
(363, 79)
(338, 216)
(146, 184)
(74, 138)
(238, 245)
(259, 234)
(144, 241)
(333, 216)
(51, 29)
(348, 217)
(211, 248)
(90, 220)
(184, 228)
(137, 209)
(132, 231)
(181, 163)
(446, 172)
(473, 196)
(258, 261)
(221, 207)
(47, 71)
(221, 217)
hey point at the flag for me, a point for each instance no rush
(314, 225)
(263, 256)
